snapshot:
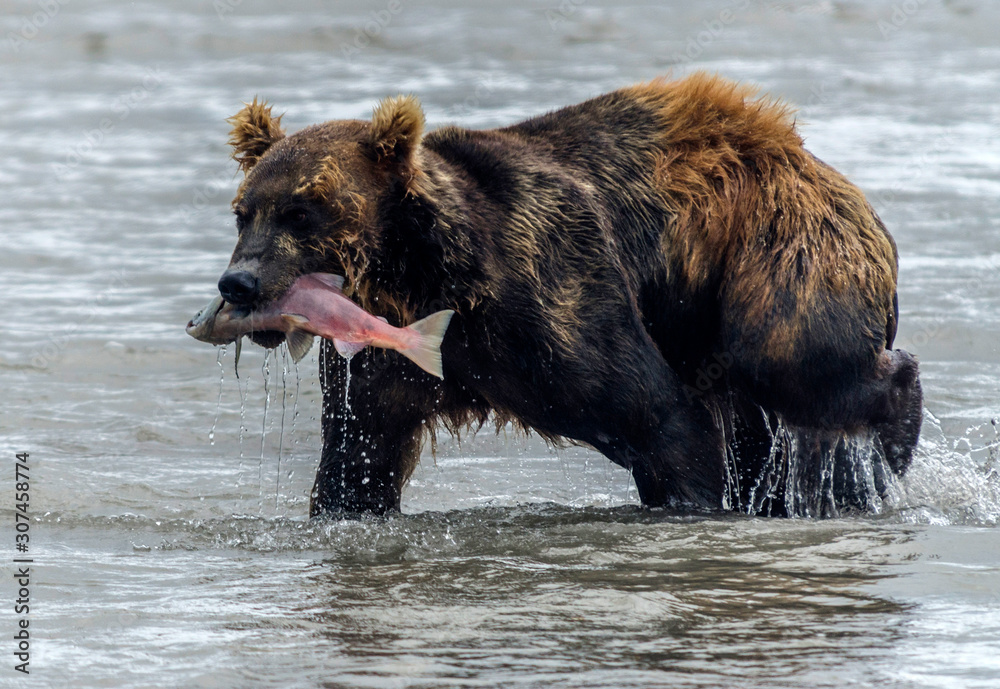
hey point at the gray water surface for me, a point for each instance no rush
(170, 538)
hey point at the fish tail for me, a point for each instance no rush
(426, 352)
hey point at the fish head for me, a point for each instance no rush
(203, 322)
(219, 322)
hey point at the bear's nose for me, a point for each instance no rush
(239, 287)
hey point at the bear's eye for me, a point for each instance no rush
(295, 216)
(241, 220)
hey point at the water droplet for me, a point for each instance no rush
(218, 404)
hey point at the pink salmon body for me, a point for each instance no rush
(315, 305)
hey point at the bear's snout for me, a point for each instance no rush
(239, 287)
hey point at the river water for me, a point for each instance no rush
(169, 498)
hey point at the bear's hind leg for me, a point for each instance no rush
(820, 362)
(830, 409)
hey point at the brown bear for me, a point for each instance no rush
(663, 273)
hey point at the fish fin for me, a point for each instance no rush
(426, 353)
(382, 318)
(331, 280)
(348, 349)
(239, 348)
(299, 343)
(298, 340)
(294, 320)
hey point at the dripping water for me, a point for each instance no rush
(218, 405)
(295, 412)
(809, 480)
(243, 387)
(768, 477)
(324, 384)
(347, 404)
(347, 385)
(833, 472)
(265, 369)
(281, 431)
(731, 497)
(807, 472)
(347, 415)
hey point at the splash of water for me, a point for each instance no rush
(810, 473)
(954, 481)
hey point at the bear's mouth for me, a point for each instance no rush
(222, 322)
(269, 339)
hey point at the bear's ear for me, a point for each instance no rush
(397, 126)
(254, 131)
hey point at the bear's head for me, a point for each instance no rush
(317, 200)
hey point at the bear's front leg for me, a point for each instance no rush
(372, 434)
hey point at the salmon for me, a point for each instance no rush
(315, 305)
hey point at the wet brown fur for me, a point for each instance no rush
(735, 175)
(597, 256)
